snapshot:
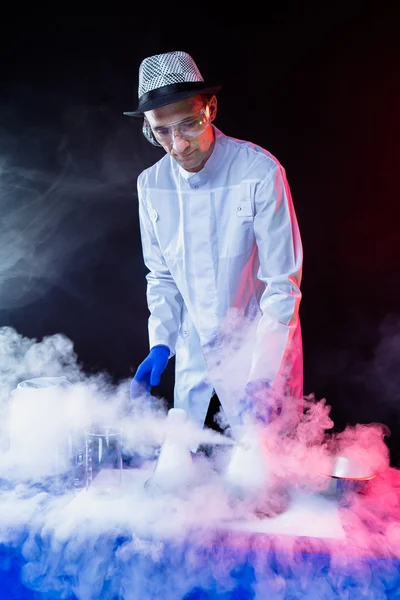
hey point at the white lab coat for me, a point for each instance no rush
(224, 255)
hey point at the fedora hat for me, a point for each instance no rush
(167, 78)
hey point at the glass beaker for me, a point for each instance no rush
(103, 458)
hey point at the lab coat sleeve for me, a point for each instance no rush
(163, 297)
(281, 257)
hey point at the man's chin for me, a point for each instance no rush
(193, 162)
(190, 163)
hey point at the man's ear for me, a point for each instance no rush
(148, 132)
(213, 105)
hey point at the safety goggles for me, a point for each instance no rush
(186, 129)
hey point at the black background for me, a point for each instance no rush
(318, 89)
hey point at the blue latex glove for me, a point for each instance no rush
(149, 372)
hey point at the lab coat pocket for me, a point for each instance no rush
(239, 233)
(245, 210)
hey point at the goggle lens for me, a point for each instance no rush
(187, 128)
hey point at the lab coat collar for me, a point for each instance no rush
(196, 180)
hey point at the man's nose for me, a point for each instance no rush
(179, 144)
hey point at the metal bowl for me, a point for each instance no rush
(348, 476)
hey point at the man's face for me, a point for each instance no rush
(172, 126)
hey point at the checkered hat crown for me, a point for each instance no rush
(165, 69)
(167, 78)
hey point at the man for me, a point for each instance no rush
(222, 245)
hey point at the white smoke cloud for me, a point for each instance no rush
(55, 203)
(131, 540)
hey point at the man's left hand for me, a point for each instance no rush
(260, 402)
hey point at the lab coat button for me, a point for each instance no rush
(154, 216)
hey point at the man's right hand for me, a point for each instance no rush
(149, 372)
